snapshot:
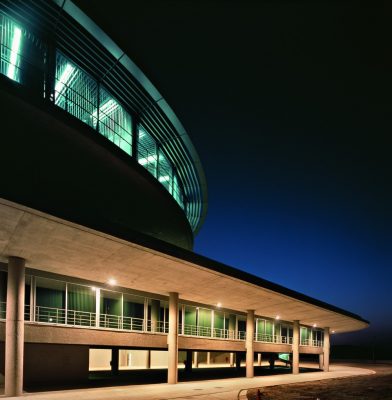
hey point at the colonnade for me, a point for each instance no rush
(14, 334)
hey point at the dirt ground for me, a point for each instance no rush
(370, 387)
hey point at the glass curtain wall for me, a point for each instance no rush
(81, 305)
(50, 301)
(219, 325)
(22, 55)
(133, 311)
(114, 122)
(304, 336)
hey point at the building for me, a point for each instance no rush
(102, 193)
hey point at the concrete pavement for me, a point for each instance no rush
(220, 389)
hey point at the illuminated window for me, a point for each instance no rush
(75, 91)
(165, 171)
(114, 122)
(147, 152)
(11, 37)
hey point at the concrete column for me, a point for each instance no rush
(208, 357)
(155, 308)
(14, 327)
(259, 359)
(250, 333)
(326, 349)
(295, 347)
(172, 339)
(196, 361)
(114, 362)
(188, 363)
(148, 359)
(321, 360)
(231, 359)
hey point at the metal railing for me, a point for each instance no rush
(268, 338)
(60, 316)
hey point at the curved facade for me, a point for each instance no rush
(56, 53)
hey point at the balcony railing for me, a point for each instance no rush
(86, 319)
(268, 338)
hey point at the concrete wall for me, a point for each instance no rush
(53, 363)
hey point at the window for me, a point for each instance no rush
(11, 48)
(147, 152)
(114, 122)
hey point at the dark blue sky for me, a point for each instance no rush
(289, 106)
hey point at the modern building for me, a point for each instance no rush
(101, 195)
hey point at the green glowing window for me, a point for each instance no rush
(114, 122)
(177, 193)
(75, 91)
(11, 39)
(147, 152)
(165, 172)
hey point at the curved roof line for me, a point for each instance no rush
(94, 30)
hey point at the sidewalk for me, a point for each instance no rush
(220, 389)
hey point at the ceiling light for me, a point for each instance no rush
(112, 282)
(219, 305)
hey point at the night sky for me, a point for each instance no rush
(289, 106)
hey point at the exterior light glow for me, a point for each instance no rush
(11, 73)
(333, 331)
(277, 317)
(147, 160)
(219, 305)
(314, 325)
(93, 288)
(65, 79)
(112, 282)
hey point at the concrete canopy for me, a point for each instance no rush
(58, 246)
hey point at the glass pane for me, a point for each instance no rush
(75, 91)
(147, 151)
(50, 301)
(3, 293)
(133, 312)
(110, 309)
(12, 43)
(165, 172)
(81, 305)
(114, 122)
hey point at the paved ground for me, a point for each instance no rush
(220, 389)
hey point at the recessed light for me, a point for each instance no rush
(112, 282)
(219, 305)
(314, 325)
(277, 317)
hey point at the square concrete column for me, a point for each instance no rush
(250, 333)
(295, 347)
(326, 349)
(14, 327)
(172, 339)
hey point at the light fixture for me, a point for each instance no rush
(314, 325)
(65, 79)
(277, 317)
(11, 73)
(93, 288)
(219, 305)
(333, 331)
(112, 282)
